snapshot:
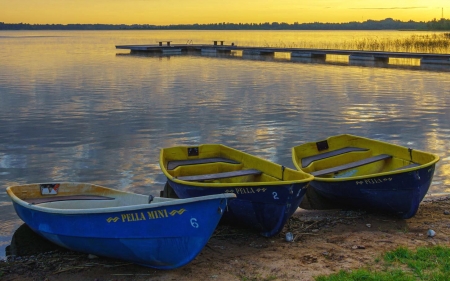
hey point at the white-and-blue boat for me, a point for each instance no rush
(151, 231)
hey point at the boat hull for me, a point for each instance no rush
(398, 194)
(265, 208)
(267, 194)
(164, 237)
(353, 171)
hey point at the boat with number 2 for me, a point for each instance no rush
(267, 193)
(151, 231)
(368, 174)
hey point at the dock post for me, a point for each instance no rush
(171, 51)
(215, 43)
(251, 52)
(160, 43)
(301, 55)
(208, 51)
(382, 59)
(433, 63)
(308, 57)
(367, 60)
(359, 57)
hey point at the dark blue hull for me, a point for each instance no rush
(163, 237)
(398, 194)
(265, 208)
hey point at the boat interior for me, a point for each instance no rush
(350, 156)
(221, 164)
(223, 171)
(79, 196)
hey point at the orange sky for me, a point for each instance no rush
(162, 12)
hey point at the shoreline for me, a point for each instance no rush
(325, 241)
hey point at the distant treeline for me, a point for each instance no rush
(389, 23)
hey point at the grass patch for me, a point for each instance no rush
(426, 263)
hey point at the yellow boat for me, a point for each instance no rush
(267, 193)
(364, 173)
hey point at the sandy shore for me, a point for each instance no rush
(324, 242)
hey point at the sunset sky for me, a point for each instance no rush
(162, 12)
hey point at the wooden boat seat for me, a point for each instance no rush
(173, 164)
(41, 200)
(308, 160)
(407, 166)
(352, 165)
(221, 175)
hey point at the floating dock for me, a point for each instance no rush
(377, 58)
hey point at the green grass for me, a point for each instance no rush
(426, 263)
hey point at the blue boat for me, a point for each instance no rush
(151, 231)
(267, 193)
(357, 172)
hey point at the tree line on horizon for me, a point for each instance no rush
(386, 24)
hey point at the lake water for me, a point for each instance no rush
(73, 108)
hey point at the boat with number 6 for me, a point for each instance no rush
(151, 231)
(267, 193)
(364, 173)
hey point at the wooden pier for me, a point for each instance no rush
(433, 61)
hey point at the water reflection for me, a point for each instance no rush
(25, 242)
(72, 109)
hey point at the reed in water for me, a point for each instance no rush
(435, 43)
(430, 43)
